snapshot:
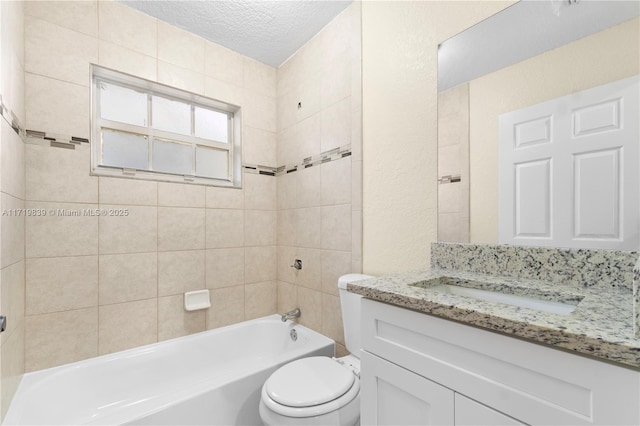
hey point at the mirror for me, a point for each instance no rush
(530, 53)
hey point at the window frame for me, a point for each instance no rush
(150, 89)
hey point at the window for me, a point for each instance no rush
(146, 130)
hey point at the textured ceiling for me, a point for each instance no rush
(268, 31)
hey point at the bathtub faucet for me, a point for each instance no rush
(291, 315)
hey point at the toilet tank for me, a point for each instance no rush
(350, 305)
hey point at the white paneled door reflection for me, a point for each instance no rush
(569, 170)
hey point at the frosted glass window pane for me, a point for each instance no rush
(171, 116)
(211, 162)
(211, 125)
(172, 157)
(122, 104)
(127, 150)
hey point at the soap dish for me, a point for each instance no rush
(196, 300)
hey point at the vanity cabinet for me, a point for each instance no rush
(420, 369)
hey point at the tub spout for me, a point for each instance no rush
(291, 315)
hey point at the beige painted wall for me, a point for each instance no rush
(399, 75)
(609, 55)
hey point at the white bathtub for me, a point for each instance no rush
(210, 378)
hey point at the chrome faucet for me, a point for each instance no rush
(291, 315)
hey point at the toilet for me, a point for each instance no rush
(320, 390)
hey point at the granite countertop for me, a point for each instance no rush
(601, 326)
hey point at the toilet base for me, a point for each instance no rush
(348, 415)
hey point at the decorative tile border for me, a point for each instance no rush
(11, 119)
(576, 268)
(325, 157)
(636, 299)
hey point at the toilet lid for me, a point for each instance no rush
(308, 382)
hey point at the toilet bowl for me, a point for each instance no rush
(319, 390)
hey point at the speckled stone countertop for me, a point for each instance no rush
(601, 326)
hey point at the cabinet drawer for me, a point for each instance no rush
(391, 395)
(530, 382)
(470, 413)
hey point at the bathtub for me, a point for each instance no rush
(210, 378)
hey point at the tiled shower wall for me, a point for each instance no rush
(319, 201)
(453, 161)
(96, 285)
(11, 198)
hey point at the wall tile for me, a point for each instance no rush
(259, 147)
(336, 79)
(225, 228)
(56, 106)
(309, 227)
(260, 111)
(135, 233)
(180, 47)
(287, 297)
(12, 229)
(259, 77)
(356, 235)
(180, 271)
(70, 51)
(356, 134)
(260, 227)
(127, 27)
(227, 307)
(64, 231)
(12, 297)
(308, 188)
(334, 265)
(310, 275)
(12, 367)
(180, 228)
(336, 227)
(223, 91)
(12, 166)
(75, 15)
(60, 338)
(286, 191)
(308, 95)
(336, 182)
(127, 325)
(181, 195)
(55, 174)
(356, 185)
(308, 137)
(260, 192)
(61, 284)
(182, 78)
(310, 303)
(285, 257)
(260, 264)
(128, 191)
(225, 267)
(287, 227)
(223, 64)
(127, 277)
(332, 318)
(224, 198)
(125, 60)
(336, 125)
(260, 299)
(174, 321)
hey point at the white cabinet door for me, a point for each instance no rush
(391, 395)
(471, 413)
(568, 170)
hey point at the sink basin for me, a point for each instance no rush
(555, 303)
